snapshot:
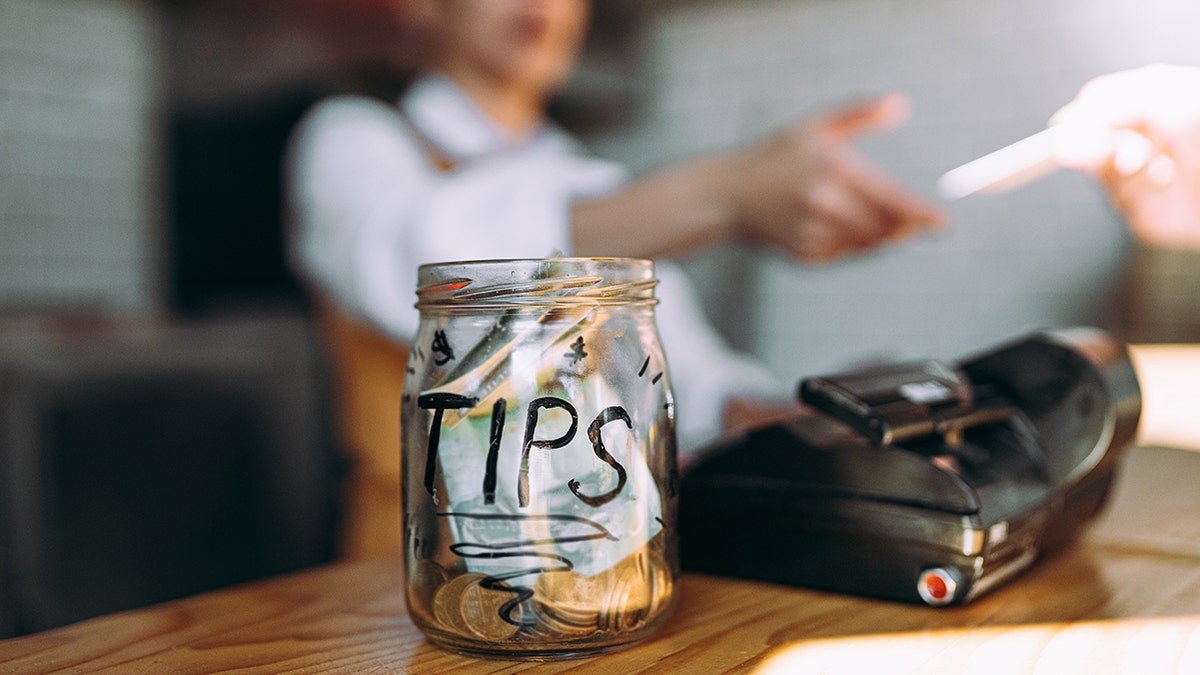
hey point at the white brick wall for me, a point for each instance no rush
(79, 156)
(981, 73)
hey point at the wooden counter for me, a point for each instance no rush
(1126, 598)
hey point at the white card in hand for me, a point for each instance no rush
(1026, 160)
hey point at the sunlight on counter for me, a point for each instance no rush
(1130, 646)
(1169, 375)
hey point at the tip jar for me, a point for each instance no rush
(538, 458)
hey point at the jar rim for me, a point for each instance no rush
(525, 282)
(479, 262)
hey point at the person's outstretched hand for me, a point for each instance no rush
(805, 189)
(1138, 133)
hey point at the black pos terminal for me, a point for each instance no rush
(927, 482)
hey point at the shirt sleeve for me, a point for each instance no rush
(351, 172)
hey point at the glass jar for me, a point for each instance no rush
(538, 458)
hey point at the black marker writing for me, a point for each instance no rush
(576, 354)
(610, 414)
(442, 346)
(497, 432)
(439, 403)
(642, 371)
(520, 549)
(531, 420)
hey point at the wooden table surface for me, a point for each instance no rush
(1125, 598)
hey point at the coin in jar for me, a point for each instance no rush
(627, 603)
(562, 626)
(427, 576)
(481, 612)
(571, 593)
(567, 603)
(447, 602)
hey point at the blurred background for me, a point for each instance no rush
(163, 413)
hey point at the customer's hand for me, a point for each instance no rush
(1138, 133)
(806, 190)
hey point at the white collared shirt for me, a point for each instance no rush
(368, 208)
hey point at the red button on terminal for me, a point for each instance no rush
(937, 586)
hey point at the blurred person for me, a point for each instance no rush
(1138, 132)
(466, 165)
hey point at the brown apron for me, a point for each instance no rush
(368, 368)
